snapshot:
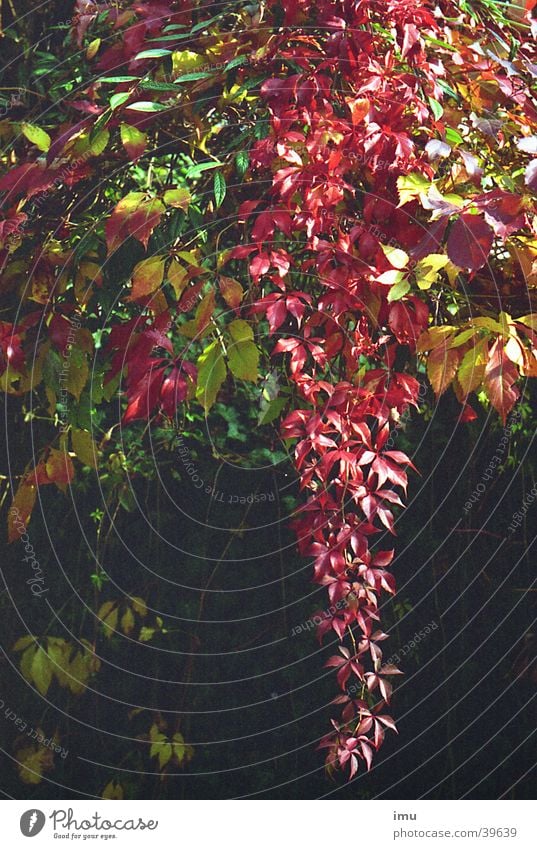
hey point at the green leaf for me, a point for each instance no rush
(151, 85)
(243, 354)
(205, 24)
(240, 330)
(155, 53)
(234, 63)
(119, 79)
(98, 142)
(195, 170)
(194, 75)
(448, 90)
(118, 99)
(147, 106)
(453, 137)
(399, 290)
(36, 136)
(436, 107)
(462, 338)
(272, 410)
(242, 161)
(219, 188)
(211, 375)
(84, 447)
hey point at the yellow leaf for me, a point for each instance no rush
(426, 270)
(472, 368)
(58, 651)
(147, 277)
(33, 761)
(184, 61)
(127, 621)
(243, 355)
(27, 658)
(240, 330)
(92, 48)
(411, 186)
(178, 198)
(182, 751)
(113, 790)
(108, 613)
(139, 606)
(87, 275)
(78, 373)
(194, 329)
(23, 643)
(84, 447)
(41, 671)
(80, 670)
(515, 351)
(231, 291)
(36, 136)
(178, 277)
(395, 256)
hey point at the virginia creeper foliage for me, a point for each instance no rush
(341, 190)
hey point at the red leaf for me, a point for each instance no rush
(231, 291)
(469, 241)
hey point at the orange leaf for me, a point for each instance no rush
(133, 140)
(135, 215)
(359, 109)
(21, 510)
(231, 291)
(442, 364)
(500, 375)
(59, 467)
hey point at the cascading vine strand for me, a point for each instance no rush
(330, 249)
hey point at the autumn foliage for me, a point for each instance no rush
(342, 191)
